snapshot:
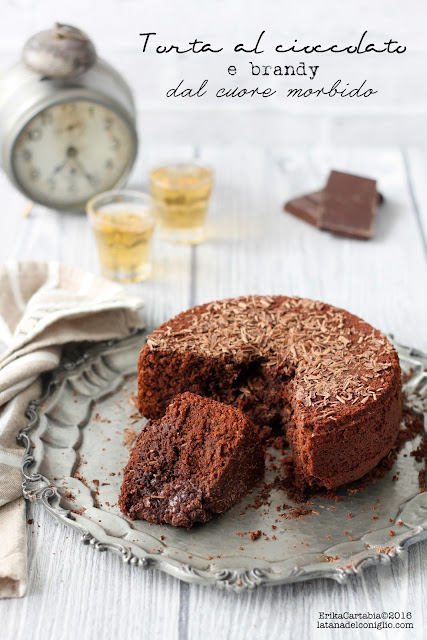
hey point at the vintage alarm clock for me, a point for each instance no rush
(67, 121)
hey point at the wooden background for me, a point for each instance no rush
(253, 247)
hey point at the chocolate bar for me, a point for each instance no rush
(346, 206)
(349, 205)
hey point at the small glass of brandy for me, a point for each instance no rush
(181, 194)
(123, 223)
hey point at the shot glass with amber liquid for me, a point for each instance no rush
(123, 224)
(181, 193)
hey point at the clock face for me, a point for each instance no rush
(71, 151)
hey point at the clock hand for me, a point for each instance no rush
(87, 175)
(72, 157)
(70, 153)
(70, 128)
(58, 168)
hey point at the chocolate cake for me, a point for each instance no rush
(199, 459)
(324, 376)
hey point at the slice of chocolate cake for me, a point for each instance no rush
(199, 459)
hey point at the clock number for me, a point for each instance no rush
(35, 174)
(108, 123)
(34, 135)
(115, 143)
(109, 164)
(93, 180)
(27, 155)
(70, 107)
(47, 118)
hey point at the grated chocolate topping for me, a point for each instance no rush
(331, 357)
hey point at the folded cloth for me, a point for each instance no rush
(43, 306)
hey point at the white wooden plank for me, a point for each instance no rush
(416, 165)
(75, 590)
(293, 611)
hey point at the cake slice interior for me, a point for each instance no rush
(199, 459)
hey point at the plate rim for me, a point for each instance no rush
(37, 488)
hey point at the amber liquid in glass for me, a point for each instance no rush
(181, 199)
(123, 238)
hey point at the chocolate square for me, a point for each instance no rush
(349, 205)
(307, 208)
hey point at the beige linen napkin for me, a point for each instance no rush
(43, 306)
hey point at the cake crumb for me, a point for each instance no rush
(254, 535)
(129, 437)
(325, 558)
(387, 550)
(133, 400)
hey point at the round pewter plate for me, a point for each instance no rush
(77, 444)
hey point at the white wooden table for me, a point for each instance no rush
(254, 247)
